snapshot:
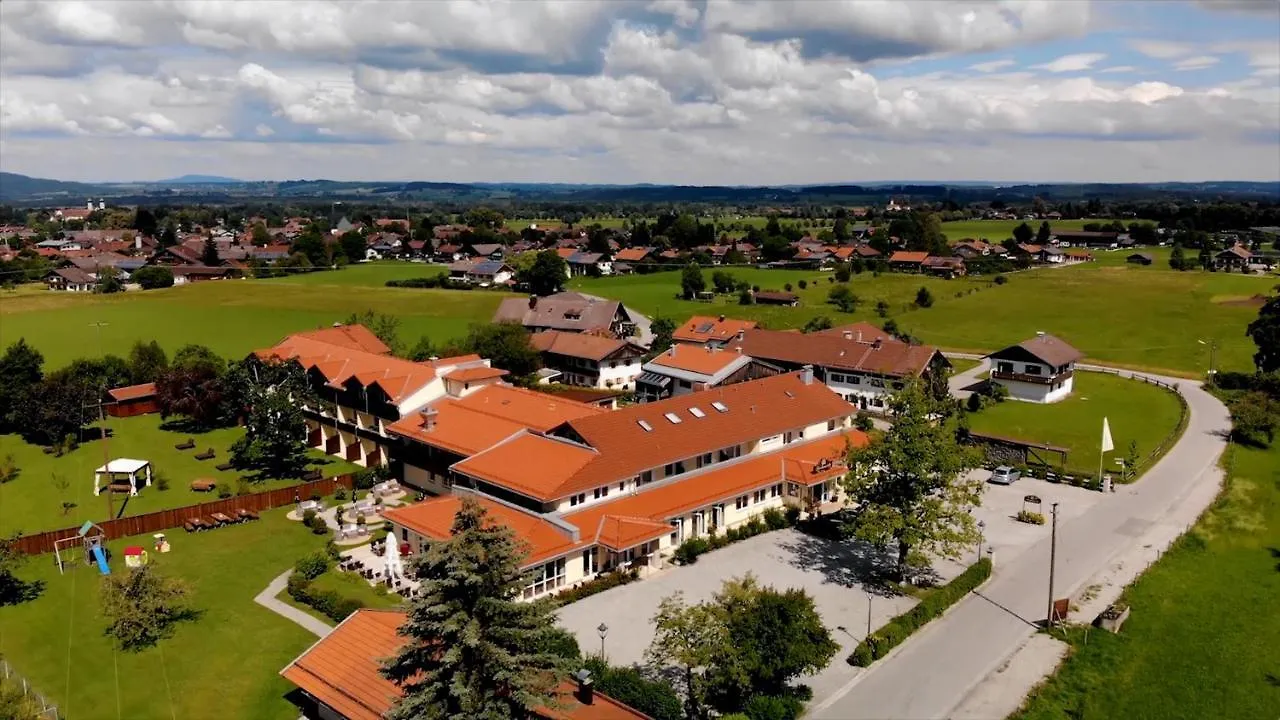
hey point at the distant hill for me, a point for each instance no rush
(199, 180)
(21, 187)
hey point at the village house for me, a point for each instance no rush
(776, 297)
(1085, 238)
(590, 360)
(701, 329)
(483, 273)
(634, 255)
(340, 676)
(1236, 257)
(907, 260)
(1038, 370)
(861, 363)
(71, 279)
(588, 263)
(970, 249)
(686, 367)
(132, 400)
(362, 388)
(946, 267)
(567, 311)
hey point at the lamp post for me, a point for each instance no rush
(603, 632)
(1053, 556)
(1213, 352)
(982, 527)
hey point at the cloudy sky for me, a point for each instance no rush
(661, 91)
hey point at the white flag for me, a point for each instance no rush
(1107, 445)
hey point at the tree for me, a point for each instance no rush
(259, 235)
(507, 345)
(546, 275)
(473, 649)
(144, 222)
(924, 298)
(353, 245)
(385, 327)
(193, 388)
(691, 638)
(483, 217)
(12, 589)
(934, 241)
(109, 281)
(21, 370)
(1265, 332)
(1022, 234)
(841, 229)
(843, 272)
(627, 685)
(311, 244)
(882, 308)
(662, 328)
(16, 703)
(1254, 419)
(209, 253)
(911, 488)
(153, 277)
(822, 322)
(772, 227)
(691, 281)
(422, 350)
(275, 431)
(192, 356)
(146, 362)
(65, 403)
(723, 281)
(1177, 259)
(142, 605)
(1044, 233)
(843, 298)
(169, 236)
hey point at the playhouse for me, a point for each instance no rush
(92, 540)
(131, 473)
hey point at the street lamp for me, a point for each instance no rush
(982, 526)
(1213, 351)
(603, 632)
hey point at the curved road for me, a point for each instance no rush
(932, 673)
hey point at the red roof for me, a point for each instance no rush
(433, 519)
(474, 374)
(854, 347)
(132, 392)
(905, 256)
(635, 254)
(701, 360)
(353, 337)
(701, 328)
(338, 363)
(583, 345)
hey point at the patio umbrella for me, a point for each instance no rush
(392, 556)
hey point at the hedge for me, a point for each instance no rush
(326, 602)
(598, 585)
(772, 519)
(901, 627)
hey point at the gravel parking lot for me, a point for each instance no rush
(1001, 503)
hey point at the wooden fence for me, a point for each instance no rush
(162, 520)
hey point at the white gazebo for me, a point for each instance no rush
(123, 468)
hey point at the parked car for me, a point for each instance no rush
(1004, 475)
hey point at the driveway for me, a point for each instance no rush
(962, 384)
(784, 559)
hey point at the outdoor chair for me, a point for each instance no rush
(189, 444)
(247, 514)
(206, 455)
(224, 467)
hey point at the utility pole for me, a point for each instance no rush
(868, 614)
(1053, 557)
(102, 426)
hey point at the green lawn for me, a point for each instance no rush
(372, 274)
(959, 365)
(1203, 640)
(33, 502)
(224, 664)
(348, 585)
(1135, 411)
(998, 230)
(235, 317)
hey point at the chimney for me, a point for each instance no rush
(876, 345)
(739, 349)
(806, 374)
(137, 242)
(89, 206)
(586, 693)
(533, 301)
(848, 335)
(429, 419)
(1040, 334)
(721, 318)
(742, 335)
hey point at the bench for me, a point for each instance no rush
(206, 455)
(203, 485)
(189, 444)
(224, 467)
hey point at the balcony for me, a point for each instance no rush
(1034, 379)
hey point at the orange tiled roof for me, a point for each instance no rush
(634, 519)
(342, 671)
(457, 429)
(832, 349)
(566, 252)
(132, 392)
(433, 518)
(352, 337)
(702, 360)
(634, 254)
(701, 328)
(338, 363)
(474, 373)
(532, 465)
(581, 345)
(534, 410)
(906, 256)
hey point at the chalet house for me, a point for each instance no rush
(947, 267)
(623, 488)
(1038, 370)
(63, 245)
(1077, 255)
(74, 214)
(776, 297)
(860, 362)
(703, 330)
(685, 368)
(484, 251)
(907, 260)
(185, 274)
(590, 360)
(484, 273)
(585, 263)
(970, 249)
(1051, 255)
(340, 677)
(1236, 257)
(132, 400)
(449, 252)
(1084, 238)
(362, 389)
(71, 279)
(567, 311)
(866, 252)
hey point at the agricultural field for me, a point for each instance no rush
(34, 501)
(998, 230)
(1203, 639)
(225, 663)
(234, 317)
(1137, 412)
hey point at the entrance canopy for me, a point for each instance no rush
(123, 469)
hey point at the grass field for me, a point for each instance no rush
(1137, 412)
(348, 585)
(1203, 640)
(224, 664)
(234, 317)
(33, 502)
(373, 274)
(998, 230)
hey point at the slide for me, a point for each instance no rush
(102, 560)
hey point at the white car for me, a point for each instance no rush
(1004, 475)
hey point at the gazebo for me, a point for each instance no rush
(122, 468)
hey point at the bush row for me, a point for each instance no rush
(597, 585)
(901, 627)
(326, 602)
(771, 519)
(434, 281)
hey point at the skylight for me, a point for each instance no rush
(645, 425)
(697, 412)
(674, 418)
(705, 327)
(719, 406)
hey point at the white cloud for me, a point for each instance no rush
(1197, 62)
(1078, 62)
(1161, 49)
(1119, 69)
(993, 65)
(684, 12)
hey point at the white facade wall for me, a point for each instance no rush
(1031, 391)
(866, 391)
(619, 374)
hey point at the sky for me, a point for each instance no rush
(727, 92)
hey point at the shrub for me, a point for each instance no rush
(745, 297)
(597, 585)
(161, 480)
(319, 527)
(773, 707)
(654, 698)
(308, 516)
(316, 496)
(803, 284)
(863, 421)
(1001, 279)
(774, 519)
(924, 298)
(690, 549)
(786, 286)
(312, 566)
(224, 492)
(340, 494)
(792, 514)
(364, 478)
(1033, 518)
(331, 549)
(901, 627)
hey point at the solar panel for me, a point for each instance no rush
(705, 327)
(674, 418)
(697, 412)
(719, 406)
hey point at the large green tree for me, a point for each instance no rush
(506, 345)
(474, 649)
(146, 362)
(663, 328)
(21, 370)
(1265, 332)
(546, 274)
(141, 605)
(912, 489)
(692, 639)
(275, 430)
(385, 327)
(691, 281)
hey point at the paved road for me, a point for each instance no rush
(267, 599)
(959, 382)
(935, 670)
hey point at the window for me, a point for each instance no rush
(546, 578)
(719, 406)
(588, 562)
(601, 492)
(877, 382)
(672, 418)
(645, 478)
(705, 459)
(404, 534)
(1004, 367)
(577, 499)
(697, 412)
(854, 380)
(757, 497)
(622, 486)
(675, 468)
(1033, 369)
(769, 439)
(788, 437)
(644, 426)
(775, 490)
(832, 424)
(740, 503)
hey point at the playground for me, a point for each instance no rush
(228, 658)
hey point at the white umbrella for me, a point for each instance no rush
(392, 555)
